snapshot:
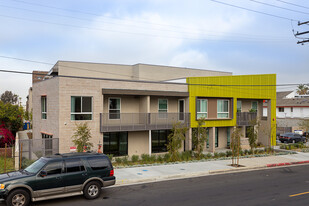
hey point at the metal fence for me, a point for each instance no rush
(244, 118)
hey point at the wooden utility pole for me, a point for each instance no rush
(306, 39)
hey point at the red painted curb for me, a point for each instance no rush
(287, 163)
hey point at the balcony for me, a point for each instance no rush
(141, 121)
(244, 118)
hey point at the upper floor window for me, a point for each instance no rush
(162, 108)
(254, 106)
(238, 105)
(114, 108)
(201, 108)
(81, 108)
(223, 108)
(44, 107)
(291, 109)
(281, 109)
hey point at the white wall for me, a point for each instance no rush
(298, 112)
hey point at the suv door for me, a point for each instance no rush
(75, 175)
(52, 183)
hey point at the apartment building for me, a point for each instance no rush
(130, 109)
(227, 102)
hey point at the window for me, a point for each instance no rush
(47, 144)
(254, 106)
(216, 137)
(43, 107)
(159, 140)
(98, 163)
(54, 168)
(291, 109)
(238, 105)
(162, 108)
(114, 108)
(74, 165)
(201, 108)
(223, 108)
(281, 109)
(115, 143)
(228, 134)
(81, 108)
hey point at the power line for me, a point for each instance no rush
(293, 4)
(259, 12)
(157, 29)
(279, 7)
(156, 82)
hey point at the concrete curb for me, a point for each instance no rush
(287, 163)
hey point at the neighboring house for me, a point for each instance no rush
(292, 109)
(127, 109)
(231, 101)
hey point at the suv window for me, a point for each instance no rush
(53, 168)
(74, 165)
(98, 163)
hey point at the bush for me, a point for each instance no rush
(228, 153)
(145, 158)
(208, 156)
(167, 157)
(152, 158)
(246, 152)
(118, 160)
(26, 162)
(134, 158)
(222, 154)
(110, 156)
(250, 152)
(160, 158)
(216, 155)
(125, 160)
(186, 156)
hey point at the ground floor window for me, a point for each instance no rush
(159, 140)
(228, 134)
(47, 143)
(115, 143)
(217, 137)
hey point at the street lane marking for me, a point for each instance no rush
(299, 194)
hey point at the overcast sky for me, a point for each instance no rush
(189, 33)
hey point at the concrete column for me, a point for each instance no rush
(212, 140)
(149, 149)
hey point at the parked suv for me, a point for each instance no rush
(58, 176)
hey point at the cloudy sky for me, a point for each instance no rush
(205, 34)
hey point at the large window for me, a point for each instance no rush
(115, 143)
(238, 105)
(98, 163)
(159, 140)
(254, 106)
(81, 108)
(201, 108)
(281, 109)
(162, 108)
(44, 107)
(223, 108)
(114, 108)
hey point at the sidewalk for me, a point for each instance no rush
(126, 176)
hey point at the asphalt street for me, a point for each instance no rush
(280, 186)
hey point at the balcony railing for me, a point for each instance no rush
(244, 118)
(141, 121)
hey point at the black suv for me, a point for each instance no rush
(58, 176)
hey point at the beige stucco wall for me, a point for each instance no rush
(138, 143)
(222, 137)
(51, 124)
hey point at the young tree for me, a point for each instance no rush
(199, 136)
(175, 140)
(82, 136)
(253, 134)
(302, 89)
(235, 146)
(304, 124)
(11, 116)
(9, 97)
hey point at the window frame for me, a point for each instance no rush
(280, 109)
(81, 108)
(228, 109)
(257, 106)
(81, 164)
(43, 107)
(206, 116)
(109, 114)
(239, 102)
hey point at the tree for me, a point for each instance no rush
(9, 97)
(175, 140)
(82, 136)
(302, 89)
(11, 116)
(199, 136)
(304, 124)
(6, 136)
(253, 134)
(235, 146)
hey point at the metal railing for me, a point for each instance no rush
(141, 121)
(244, 118)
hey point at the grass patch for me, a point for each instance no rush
(10, 166)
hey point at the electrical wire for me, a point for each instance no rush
(304, 7)
(279, 7)
(259, 12)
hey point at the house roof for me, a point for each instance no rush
(282, 101)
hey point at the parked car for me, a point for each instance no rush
(292, 138)
(58, 176)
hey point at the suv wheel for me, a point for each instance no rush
(92, 190)
(18, 198)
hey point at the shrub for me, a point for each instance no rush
(125, 160)
(26, 162)
(250, 152)
(186, 156)
(145, 158)
(152, 158)
(222, 154)
(228, 153)
(160, 158)
(241, 153)
(110, 156)
(246, 152)
(216, 155)
(134, 158)
(208, 156)
(167, 157)
(118, 160)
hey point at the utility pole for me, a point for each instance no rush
(305, 40)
